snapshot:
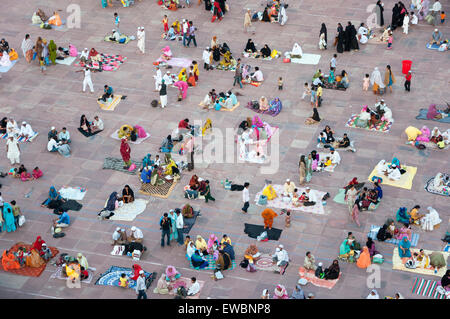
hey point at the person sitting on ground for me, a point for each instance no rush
(281, 257)
(250, 47)
(85, 125)
(127, 195)
(172, 274)
(63, 221)
(252, 254)
(198, 262)
(414, 216)
(55, 19)
(296, 52)
(404, 248)
(119, 237)
(52, 133)
(333, 271)
(201, 245)
(257, 76)
(64, 136)
(136, 235)
(64, 149)
(26, 131)
(115, 36)
(52, 145)
(342, 143)
(266, 51)
(228, 248)
(436, 37)
(383, 234)
(309, 263)
(97, 125)
(315, 118)
(194, 287)
(37, 173)
(107, 93)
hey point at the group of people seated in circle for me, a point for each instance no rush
(7, 54)
(59, 142)
(392, 171)
(425, 135)
(198, 188)
(273, 106)
(10, 127)
(222, 251)
(265, 52)
(131, 245)
(321, 162)
(351, 251)
(24, 175)
(427, 221)
(331, 80)
(217, 101)
(155, 172)
(87, 127)
(291, 195)
(115, 201)
(131, 133)
(327, 140)
(363, 197)
(372, 117)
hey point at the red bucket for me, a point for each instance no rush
(406, 66)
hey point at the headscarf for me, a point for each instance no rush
(125, 150)
(82, 261)
(364, 259)
(250, 46)
(162, 282)
(315, 115)
(334, 267)
(38, 243)
(111, 204)
(53, 194)
(93, 52)
(376, 296)
(298, 293)
(323, 30)
(136, 268)
(52, 50)
(130, 191)
(212, 239)
(375, 77)
(445, 281)
(200, 243)
(432, 112)
(297, 50)
(171, 271)
(251, 250)
(190, 249)
(280, 292)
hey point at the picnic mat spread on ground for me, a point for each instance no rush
(374, 231)
(306, 58)
(58, 275)
(340, 197)
(177, 62)
(138, 140)
(110, 106)
(257, 55)
(186, 282)
(212, 263)
(22, 139)
(118, 250)
(112, 275)
(423, 116)
(311, 277)
(117, 164)
(278, 202)
(127, 39)
(75, 193)
(29, 271)
(161, 191)
(333, 86)
(265, 263)
(254, 231)
(429, 187)
(189, 222)
(433, 146)
(405, 180)
(66, 61)
(397, 263)
(53, 27)
(382, 126)
(426, 288)
(267, 112)
(87, 134)
(4, 69)
(111, 62)
(433, 46)
(128, 212)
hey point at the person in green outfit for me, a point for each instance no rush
(52, 51)
(207, 193)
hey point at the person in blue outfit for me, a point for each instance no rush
(8, 216)
(53, 195)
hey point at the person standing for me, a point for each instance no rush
(319, 95)
(408, 81)
(350, 197)
(116, 22)
(166, 225)
(125, 151)
(207, 56)
(141, 39)
(13, 150)
(27, 48)
(340, 39)
(180, 226)
(87, 79)
(379, 10)
(405, 25)
(247, 20)
(238, 74)
(245, 198)
(323, 30)
(436, 11)
(185, 31)
(192, 30)
(207, 193)
(140, 286)
(163, 94)
(389, 78)
(158, 78)
(190, 146)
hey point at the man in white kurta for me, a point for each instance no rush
(335, 157)
(13, 150)
(394, 173)
(158, 78)
(405, 24)
(141, 39)
(26, 130)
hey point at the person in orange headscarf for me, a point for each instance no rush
(9, 261)
(364, 259)
(268, 214)
(55, 19)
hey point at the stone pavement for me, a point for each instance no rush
(56, 99)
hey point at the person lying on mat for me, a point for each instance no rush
(64, 136)
(436, 37)
(97, 125)
(136, 235)
(281, 257)
(119, 237)
(25, 130)
(107, 93)
(257, 76)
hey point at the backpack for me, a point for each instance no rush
(244, 263)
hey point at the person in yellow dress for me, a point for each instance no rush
(269, 192)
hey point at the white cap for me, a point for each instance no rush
(141, 272)
(320, 264)
(53, 128)
(382, 100)
(436, 30)
(24, 122)
(118, 228)
(307, 188)
(44, 244)
(133, 228)
(86, 49)
(288, 180)
(281, 246)
(277, 250)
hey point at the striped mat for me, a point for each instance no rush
(110, 106)
(373, 234)
(21, 139)
(426, 288)
(382, 127)
(212, 263)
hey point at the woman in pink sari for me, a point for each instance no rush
(257, 122)
(355, 214)
(280, 292)
(140, 131)
(211, 242)
(183, 87)
(404, 232)
(425, 136)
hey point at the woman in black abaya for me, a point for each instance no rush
(340, 39)
(380, 17)
(395, 17)
(323, 29)
(353, 39)
(348, 37)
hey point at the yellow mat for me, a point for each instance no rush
(405, 180)
(110, 106)
(223, 108)
(398, 265)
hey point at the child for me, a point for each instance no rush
(16, 212)
(280, 83)
(21, 255)
(321, 139)
(287, 220)
(366, 82)
(306, 90)
(37, 173)
(157, 160)
(390, 40)
(442, 17)
(196, 71)
(13, 172)
(42, 64)
(327, 162)
(414, 19)
(408, 81)
(123, 281)
(165, 22)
